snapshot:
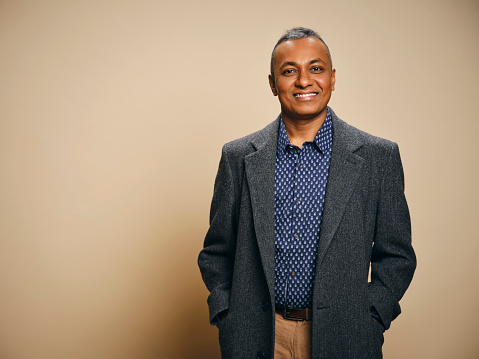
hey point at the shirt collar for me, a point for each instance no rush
(323, 139)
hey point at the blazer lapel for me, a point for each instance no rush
(344, 170)
(260, 169)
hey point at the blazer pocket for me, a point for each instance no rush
(378, 330)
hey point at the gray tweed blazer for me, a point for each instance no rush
(365, 223)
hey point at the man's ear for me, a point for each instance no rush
(272, 85)
(333, 79)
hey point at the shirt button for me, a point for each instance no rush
(300, 166)
(296, 236)
(293, 273)
(298, 201)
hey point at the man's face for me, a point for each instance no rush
(303, 78)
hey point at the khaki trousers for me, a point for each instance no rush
(292, 339)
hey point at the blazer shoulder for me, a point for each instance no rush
(368, 138)
(381, 147)
(250, 143)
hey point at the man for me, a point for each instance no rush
(301, 210)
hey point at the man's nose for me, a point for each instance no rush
(304, 79)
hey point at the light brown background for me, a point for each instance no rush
(112, 117)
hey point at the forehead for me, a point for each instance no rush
(300, 50)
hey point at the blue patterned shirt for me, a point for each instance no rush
(299, 189)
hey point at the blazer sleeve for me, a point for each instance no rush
(393, 260)
(217, 257)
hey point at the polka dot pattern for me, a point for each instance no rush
(300, 185)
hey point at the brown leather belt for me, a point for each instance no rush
(295, 314)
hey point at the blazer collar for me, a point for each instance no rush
(345, 137)
(267, 137)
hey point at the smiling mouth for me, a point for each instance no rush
(305, 95)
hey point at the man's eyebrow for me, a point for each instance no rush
(292, 63)
(316, 60)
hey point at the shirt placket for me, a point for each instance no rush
(294, 232)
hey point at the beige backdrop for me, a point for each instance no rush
(112, 118)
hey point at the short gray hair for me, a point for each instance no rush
(295, 34)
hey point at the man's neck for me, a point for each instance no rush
(300, 130)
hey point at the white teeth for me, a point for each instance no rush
(305, 95)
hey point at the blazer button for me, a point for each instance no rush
(265, 305)
(260, 355)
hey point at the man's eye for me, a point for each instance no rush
(288, 71)
(316, 69)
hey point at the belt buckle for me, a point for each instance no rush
(286, 315)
